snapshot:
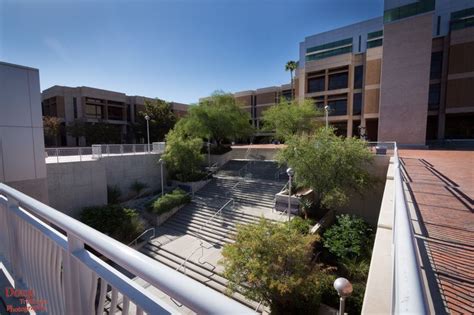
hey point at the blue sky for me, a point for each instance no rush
(177, 50)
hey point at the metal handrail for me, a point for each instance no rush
(408, 290)
(198, 233)
(191, 293)
(134, 242)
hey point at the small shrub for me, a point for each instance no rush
(120, 223)
(137, 187)
(301, 225)
(349, 238)
(113, 194)
(169, 201)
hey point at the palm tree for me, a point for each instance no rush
(291, 66)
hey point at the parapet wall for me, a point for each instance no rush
(75, 185)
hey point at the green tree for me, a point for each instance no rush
(271, 263)
(290, 118)
(162, 120)
(217, 118)
(332, 166)
(291, 66)
(183, 156)
(52, 128)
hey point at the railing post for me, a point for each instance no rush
(121, 149)
(108, 149)
(57, 155)
(80, 154)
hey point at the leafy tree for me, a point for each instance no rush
(332, 166)
(183, 156)
(162, 120)
(291, 66)
(217, 118)
(290, 118)
(273, 263)
(52, 128)
(349, 238)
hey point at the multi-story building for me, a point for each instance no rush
(92, 105)
(407, 76)
(257, 101)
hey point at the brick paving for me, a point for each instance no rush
(441, 184)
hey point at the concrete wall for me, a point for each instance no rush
(75, 185)
(22, 163)
(405, 80)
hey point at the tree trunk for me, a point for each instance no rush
(292, 92)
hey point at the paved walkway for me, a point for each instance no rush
(441, 188)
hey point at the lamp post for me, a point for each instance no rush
(344, 289)
(209, 154)
(290, 173)
(326, 111)
(147, 118)
(162, 186)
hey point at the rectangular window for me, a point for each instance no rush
(330, 49)
(129, 113)
(94, 111)
(357, 104)
(408, 10)
(434, 96)
(436, 65)
(286, 94)
(375, 39)
(316, 84)
(337, 107)
(358, 76)
(115, 113)
(338, 81)
(319, 102)
(438, 25)
(462, 19)
(74, 104)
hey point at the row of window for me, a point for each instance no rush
(408, 10)
(338, 107)
(329, 53)
(336, 81)
(462, 19)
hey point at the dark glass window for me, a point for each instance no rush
(340, 128)
(319, 102)
(411, 9)
(286, 94)
(115, 113)
(337, 107)
(358, 77)
(129, 113)
(316, 85)
(436, 65)
(338, 81)
(357, 104)
(434, 96)
(74, 103)
(375, 43)
(462, 19)
(93, 111)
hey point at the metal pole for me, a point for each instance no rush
(209, 154)
(162, 182)
(342, 303)
(289, 199)
(148, 132)
(326, 109)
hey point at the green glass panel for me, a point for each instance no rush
(408, 10)
(375, 34)
(462, 13)
(375, 43)
(338, 43)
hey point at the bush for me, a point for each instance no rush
(113, 194)
(301, 225)
(169, 201)
(350, 238)
(271, 263)
(138, 187)
(183, 156)
(120, 223)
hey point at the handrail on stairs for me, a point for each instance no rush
(134, 242)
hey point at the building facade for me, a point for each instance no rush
(92, 105)
(407, 76)
(22, 163)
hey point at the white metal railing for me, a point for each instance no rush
(59, 268)
(408, 291)
(139, 237)
(97, 151)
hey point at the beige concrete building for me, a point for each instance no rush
(92, 105)
(407, 76)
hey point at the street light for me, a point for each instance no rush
(326, 110)
(290, 173)
(344, 289)
(148, 131)
(162, 182)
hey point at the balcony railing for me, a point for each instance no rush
(408, 290)
(64, 262)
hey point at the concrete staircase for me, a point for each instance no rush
(253, 192)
